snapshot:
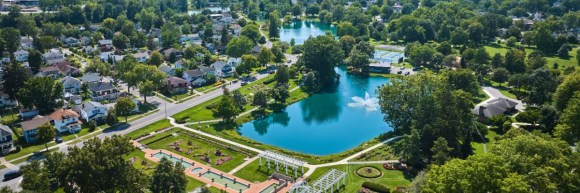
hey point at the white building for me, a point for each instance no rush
(66, 120)
(91, 111)
(21, 55)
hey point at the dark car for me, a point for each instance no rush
(12, 174)
(399, 72)
(289, 61)
(58, 139)
(407, 73)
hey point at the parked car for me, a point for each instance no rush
(289, 61)
(58, 139)
(399, 72)
(407, 73)
(12, 174)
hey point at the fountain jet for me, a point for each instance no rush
(371, 104)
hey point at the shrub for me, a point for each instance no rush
(182, 120)
(376, 187)
(269, 81)
(369, 172)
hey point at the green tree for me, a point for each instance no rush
(282, 75)
(104, 167)
(46, 133)
(358, 62)
(566, 90)
(260, 99)
(239, 99)
(280, 92)
(170, 33)
(274, 28)
(124, 107)
(27, 26)
(121, 41)
(43, 93)
(226, 108)
(296, 10)
(35, 178)
(515, 61)
(156, 58)
(463, 80)
(278, 55)
(14, 76)
(347, 43)
(264, 56)
(147, 88)
(569, 127)
(248, 62)
(500, 75)
(11, 37)
(34, 60)
(322, 54)
(444, 48)
(168, 178)
(544, 40)
(239, 46)
(346, 28)
(252, 32)
(440, 151)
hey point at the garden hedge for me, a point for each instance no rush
(376, 187)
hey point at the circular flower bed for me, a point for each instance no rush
(369, 172)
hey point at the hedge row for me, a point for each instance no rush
(376, 187)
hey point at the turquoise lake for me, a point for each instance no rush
(302, 29)
(324, 123)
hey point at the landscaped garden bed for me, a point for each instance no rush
(369, 172)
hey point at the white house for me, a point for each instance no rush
(66, 120)
(21, 55)
(71, 84)
(91, 111)
(222, 69)
(141, 57)
(5, 100)
(234, 62)
(191, 75)
(53, 56)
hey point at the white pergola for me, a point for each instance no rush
(281, 159)
(326, 182)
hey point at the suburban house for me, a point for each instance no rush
(103, 91)
(21, 55)
(53, 56)
(67, 69)
(85, 41)
(70, 42)
(106, 45)
(91, 111)
(91, 77)
(66, 120)
(494, 107)
(176, 85)
(198, 82)
(27, 113)
(168, 52)
(170, 71)
(207, 70)
(30, 127)
(6, 143)
(222, 69)
(49, 71)
(380, 67)
(71, 85)
(234, 62)
(6, 101)
(256, 49)
(76, 99)
(26, 42)
(141, 57)
(191, 75)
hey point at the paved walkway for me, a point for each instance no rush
(247, 162)
(7, 164)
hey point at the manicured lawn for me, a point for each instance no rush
(481, 96)
(384, 152)
(551, 59)
(177, 97)
(27, 149)
(489, 138)
(201, 113)
(390, 178)
(254, 173)
(504, 90)
(200, 148)
(9, 117)
(150, 128)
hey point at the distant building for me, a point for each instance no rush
(382, 67)
(176, 85)
(104, 91)
(6, 141)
